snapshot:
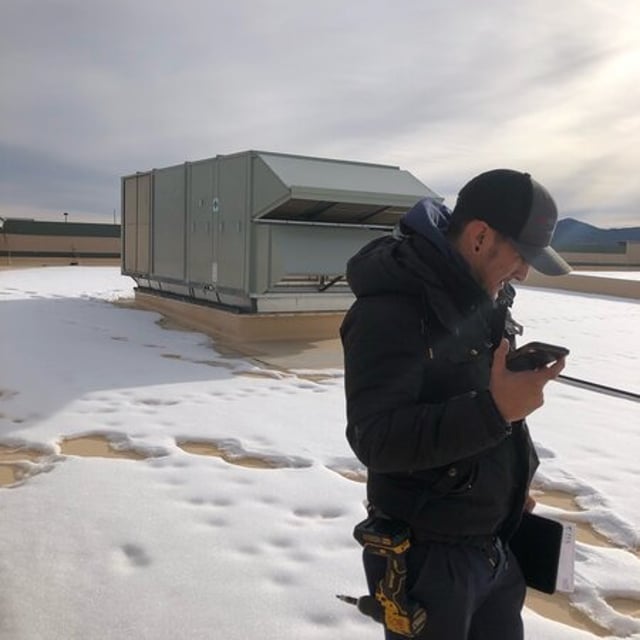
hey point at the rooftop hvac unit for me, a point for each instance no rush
(258, 231)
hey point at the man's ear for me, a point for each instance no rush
(477, 230)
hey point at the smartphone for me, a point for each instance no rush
(534, 355)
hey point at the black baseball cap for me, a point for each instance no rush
(518, 207)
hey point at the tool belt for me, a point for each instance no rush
(491, 546)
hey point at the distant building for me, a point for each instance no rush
(43, 242)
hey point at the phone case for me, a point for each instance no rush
(534, 355)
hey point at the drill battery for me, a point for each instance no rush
(382, 536)
(391, 539)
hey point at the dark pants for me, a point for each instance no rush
(468, 593)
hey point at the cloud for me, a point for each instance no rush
(444, 88)
(48, 183)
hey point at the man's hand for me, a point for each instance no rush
(518, 394)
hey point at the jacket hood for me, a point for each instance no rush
(431, 220)
(416, 255)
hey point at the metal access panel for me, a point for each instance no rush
(286, 253)
(143, 262)
(129, 224)
(233, 222)
(136, 223)
(305, 190)
(169, 223)
(202, 223)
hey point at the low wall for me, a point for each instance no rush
(10, 262)
(26, 242)
(586, 284)
(628, 258)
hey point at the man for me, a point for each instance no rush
(432, 410)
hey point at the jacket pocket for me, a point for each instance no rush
(455, 479)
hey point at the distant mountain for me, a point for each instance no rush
(573, 235)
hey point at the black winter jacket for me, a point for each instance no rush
(418, 346)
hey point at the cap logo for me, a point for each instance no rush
(547, 222)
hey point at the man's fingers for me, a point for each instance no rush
(500, 354)
(554, 370)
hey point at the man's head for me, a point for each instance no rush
(503, 222)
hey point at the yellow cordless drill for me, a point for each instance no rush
(391, 604)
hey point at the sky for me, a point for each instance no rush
(92, 90)
(98, 548)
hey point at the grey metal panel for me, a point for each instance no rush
(267, 189)
(337, 213)
(340, 181)
(143, 263)
(303, 302)
(169, 222)
(129, 223)
(301, 250)
(233, 221)
(201, 232)
(360, 197)
(260, 257)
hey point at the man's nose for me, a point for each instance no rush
(522, 271)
